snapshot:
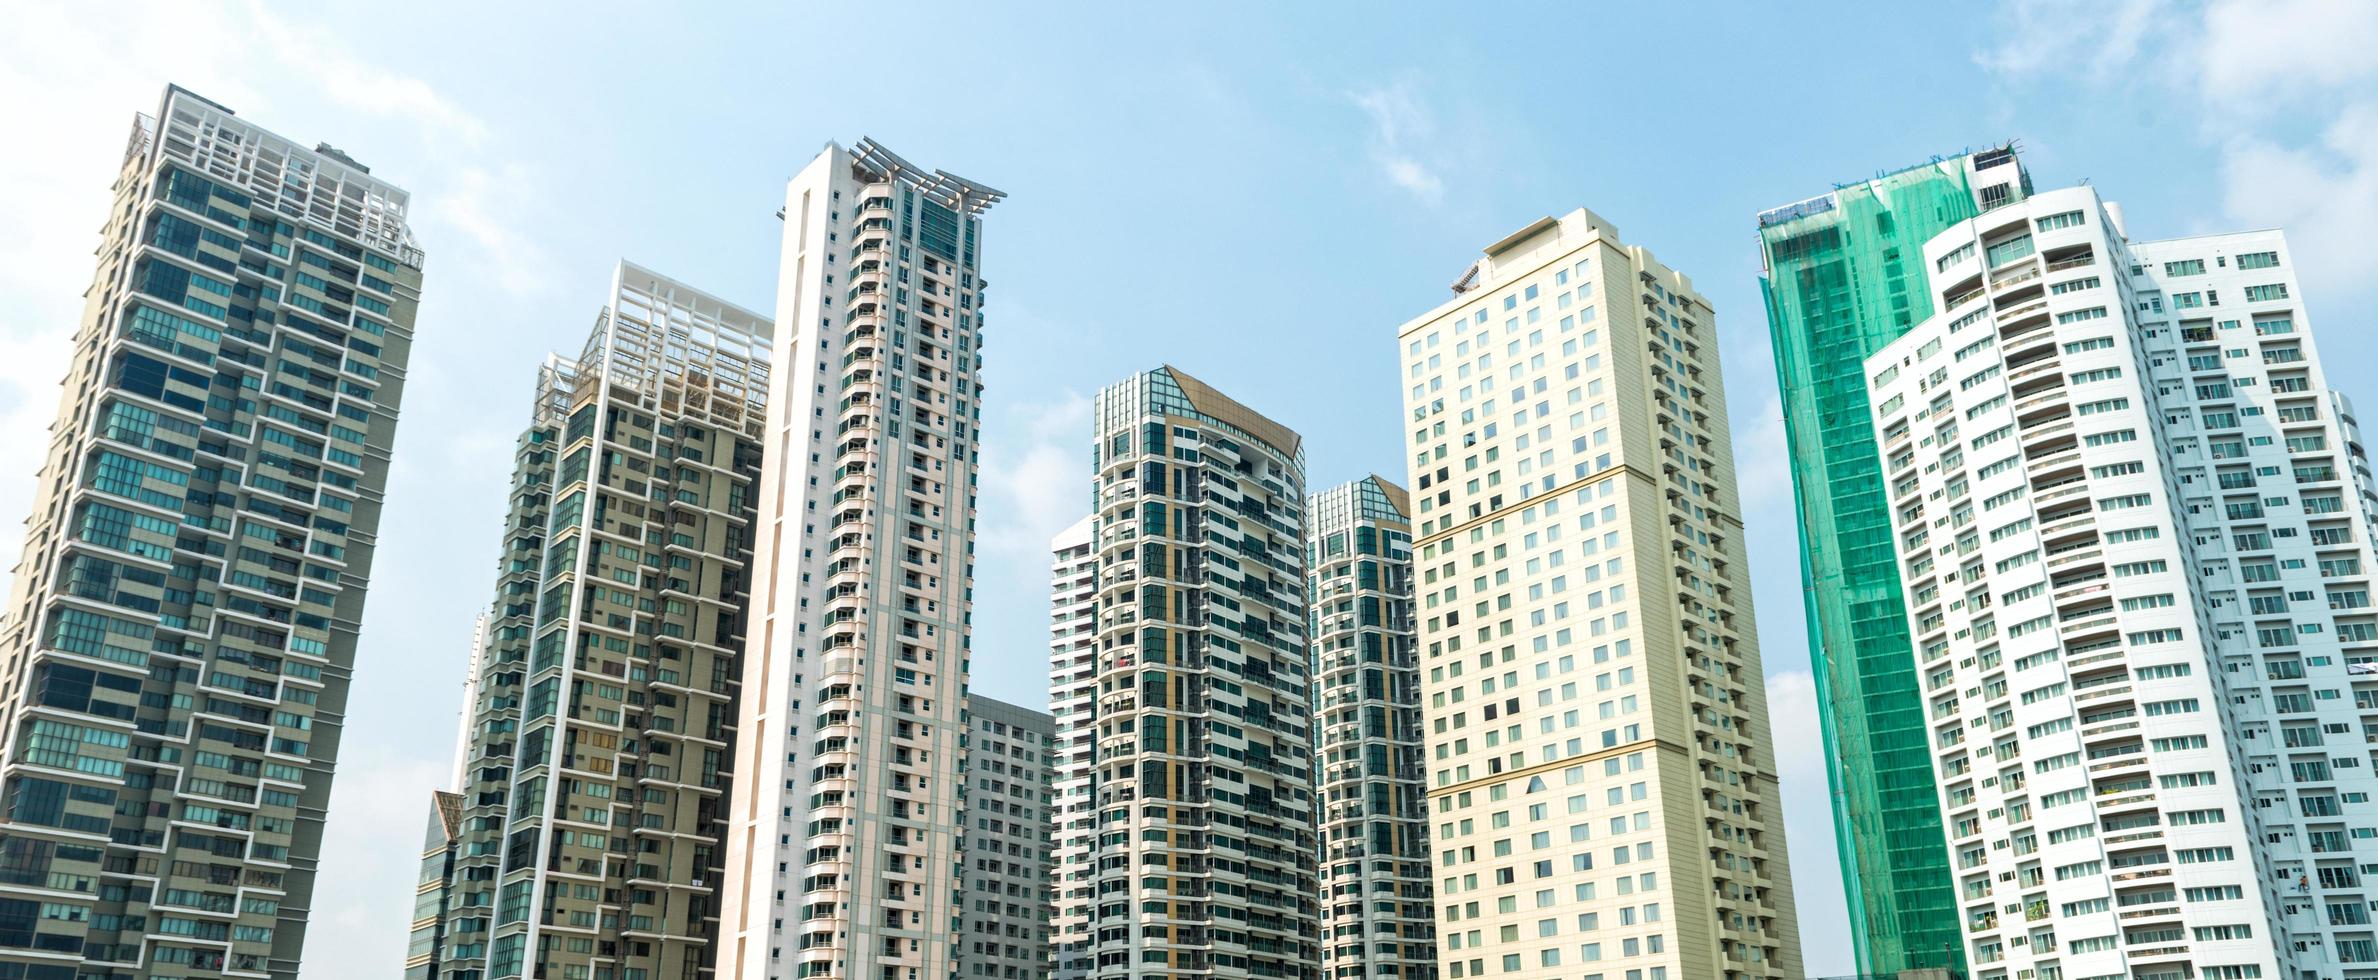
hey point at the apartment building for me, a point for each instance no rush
(1073, 695)
(843, 850)
(1378, 917)
(2136, 558)
(1003, 928)
(181, 637)
(1843, 277)
(433, 891)
(594, 774)
(1601, 780)
(1204, 860)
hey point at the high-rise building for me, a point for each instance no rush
(1601, 778)
(1378, 919)
(1003, 922)
(1073, 695)
(1844, 277)
(1205, 854)
(182, 632)
(595, 771)
(2137, 572)
(843, 853)
(434, 890)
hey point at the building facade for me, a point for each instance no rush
(1073, 696)
(1843, 277)
(2137, 564)
(1601, 779)
(1003, 928)
(589, 808)
(1204, 860)
(1378, 915)
(843, 851)
(182, 633)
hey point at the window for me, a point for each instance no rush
(1955, 255)
(2066, 219)
(2008, 251)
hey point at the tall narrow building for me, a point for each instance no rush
(2138, 576)
(1073, 696)
(1378, 917)
(434, 890)
(1844, 276)
(843, 853)
(1204, 860)
(1003, 921)
(182, 633)
(1601, 779)
(589, 813)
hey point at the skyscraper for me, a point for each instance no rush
(1602, 782)
(843, 851)
(182, 632)
(1204, 861)
(1073, 697)
(434, 892)
(603, 707)
(1377, 916)
(1843, 278)
(2138, 575)
(1003, 919)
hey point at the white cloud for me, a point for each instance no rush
(1398, 122)
(2253, 56)
(2099, 39)
(1395, 113)
(2255, 72)
(1039, 484)
(358, 84)
(486, 209)
(1408, 174)
(2325, 195)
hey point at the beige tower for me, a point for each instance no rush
(843, 840)
(1599, 775)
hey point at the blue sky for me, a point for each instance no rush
(1258, 195)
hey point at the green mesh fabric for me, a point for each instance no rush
(1842, 281)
